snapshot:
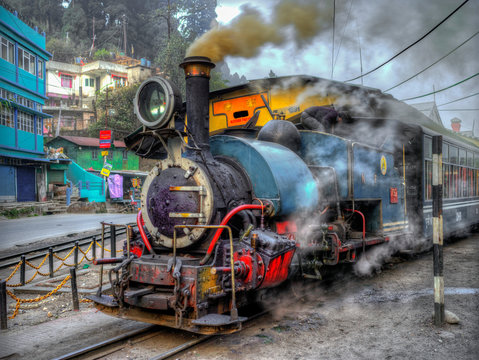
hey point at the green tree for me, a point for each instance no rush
(170, 56)
(74, 24)
(117, 114)
(62, 50)
(102, 54)
(196, 17)
(217, 82)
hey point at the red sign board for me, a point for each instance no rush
(105, 139)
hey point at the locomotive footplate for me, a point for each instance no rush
(218, 320)
(104, 300)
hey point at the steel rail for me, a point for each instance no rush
(105, 343)
(188, 345)
(162, 356)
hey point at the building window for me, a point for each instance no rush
(39, 126)
(89, 82)
(7, 50)
(67, 81)
(25, 102)
(94, 154)
(40, 69)
(125, 155)
(25, 121)
(119, 81)
(26, 61)
(6, 115)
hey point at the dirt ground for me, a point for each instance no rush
(387, 315)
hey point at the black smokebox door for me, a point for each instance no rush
(161, 201)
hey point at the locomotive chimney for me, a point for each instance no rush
(197, 74)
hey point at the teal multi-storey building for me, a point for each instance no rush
(23, 164)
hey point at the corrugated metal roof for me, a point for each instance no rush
(89, 141)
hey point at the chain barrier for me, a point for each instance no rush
(37, 299)
(14, 270)
(85, 253)
(38, 267)
(38, 272)
(107, 250)
(67, 255)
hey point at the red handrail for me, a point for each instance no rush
(364, 221)
(224, 222)
(140, 223)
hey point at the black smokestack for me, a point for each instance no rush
(197, 74)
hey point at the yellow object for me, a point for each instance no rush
(384, 165)
(287, 96)
(105, 172)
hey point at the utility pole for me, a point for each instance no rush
(332, 51)
(124, 33)
(437, 230)
(93, 43)
(57, 130)
(106, 109)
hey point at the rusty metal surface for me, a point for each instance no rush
(104, 300)
(217, 320)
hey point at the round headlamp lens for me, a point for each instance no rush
(152, 102)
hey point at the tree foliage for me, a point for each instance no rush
(117, 113)
(102, 54)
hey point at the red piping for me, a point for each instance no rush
(140, 223)
(364, 221)
(224, 222)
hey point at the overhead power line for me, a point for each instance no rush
(437, 91)
(408, 47)
(457, 109)
(465, 97)
(434, 63)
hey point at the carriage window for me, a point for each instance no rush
(445, 152)
(453, 154)
(470, 182)
(427, 148)
(462, 157)
(470, 158)
(454, 173)
(476, 160)
(445, 181)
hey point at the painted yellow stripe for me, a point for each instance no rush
(395, 223)
(394, 228)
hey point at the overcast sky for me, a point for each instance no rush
(381, 28)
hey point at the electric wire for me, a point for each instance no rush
(457, 109)
(434, 63)
(342, 35)
(437, 91)
(408, 47)
(465, 97)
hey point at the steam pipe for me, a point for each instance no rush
(224, 222)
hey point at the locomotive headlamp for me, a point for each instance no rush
(156, 100)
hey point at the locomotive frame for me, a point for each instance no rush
(293, 200)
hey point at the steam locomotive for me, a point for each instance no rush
(227, 219)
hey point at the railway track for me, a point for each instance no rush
(38, 251)
(151, 342)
